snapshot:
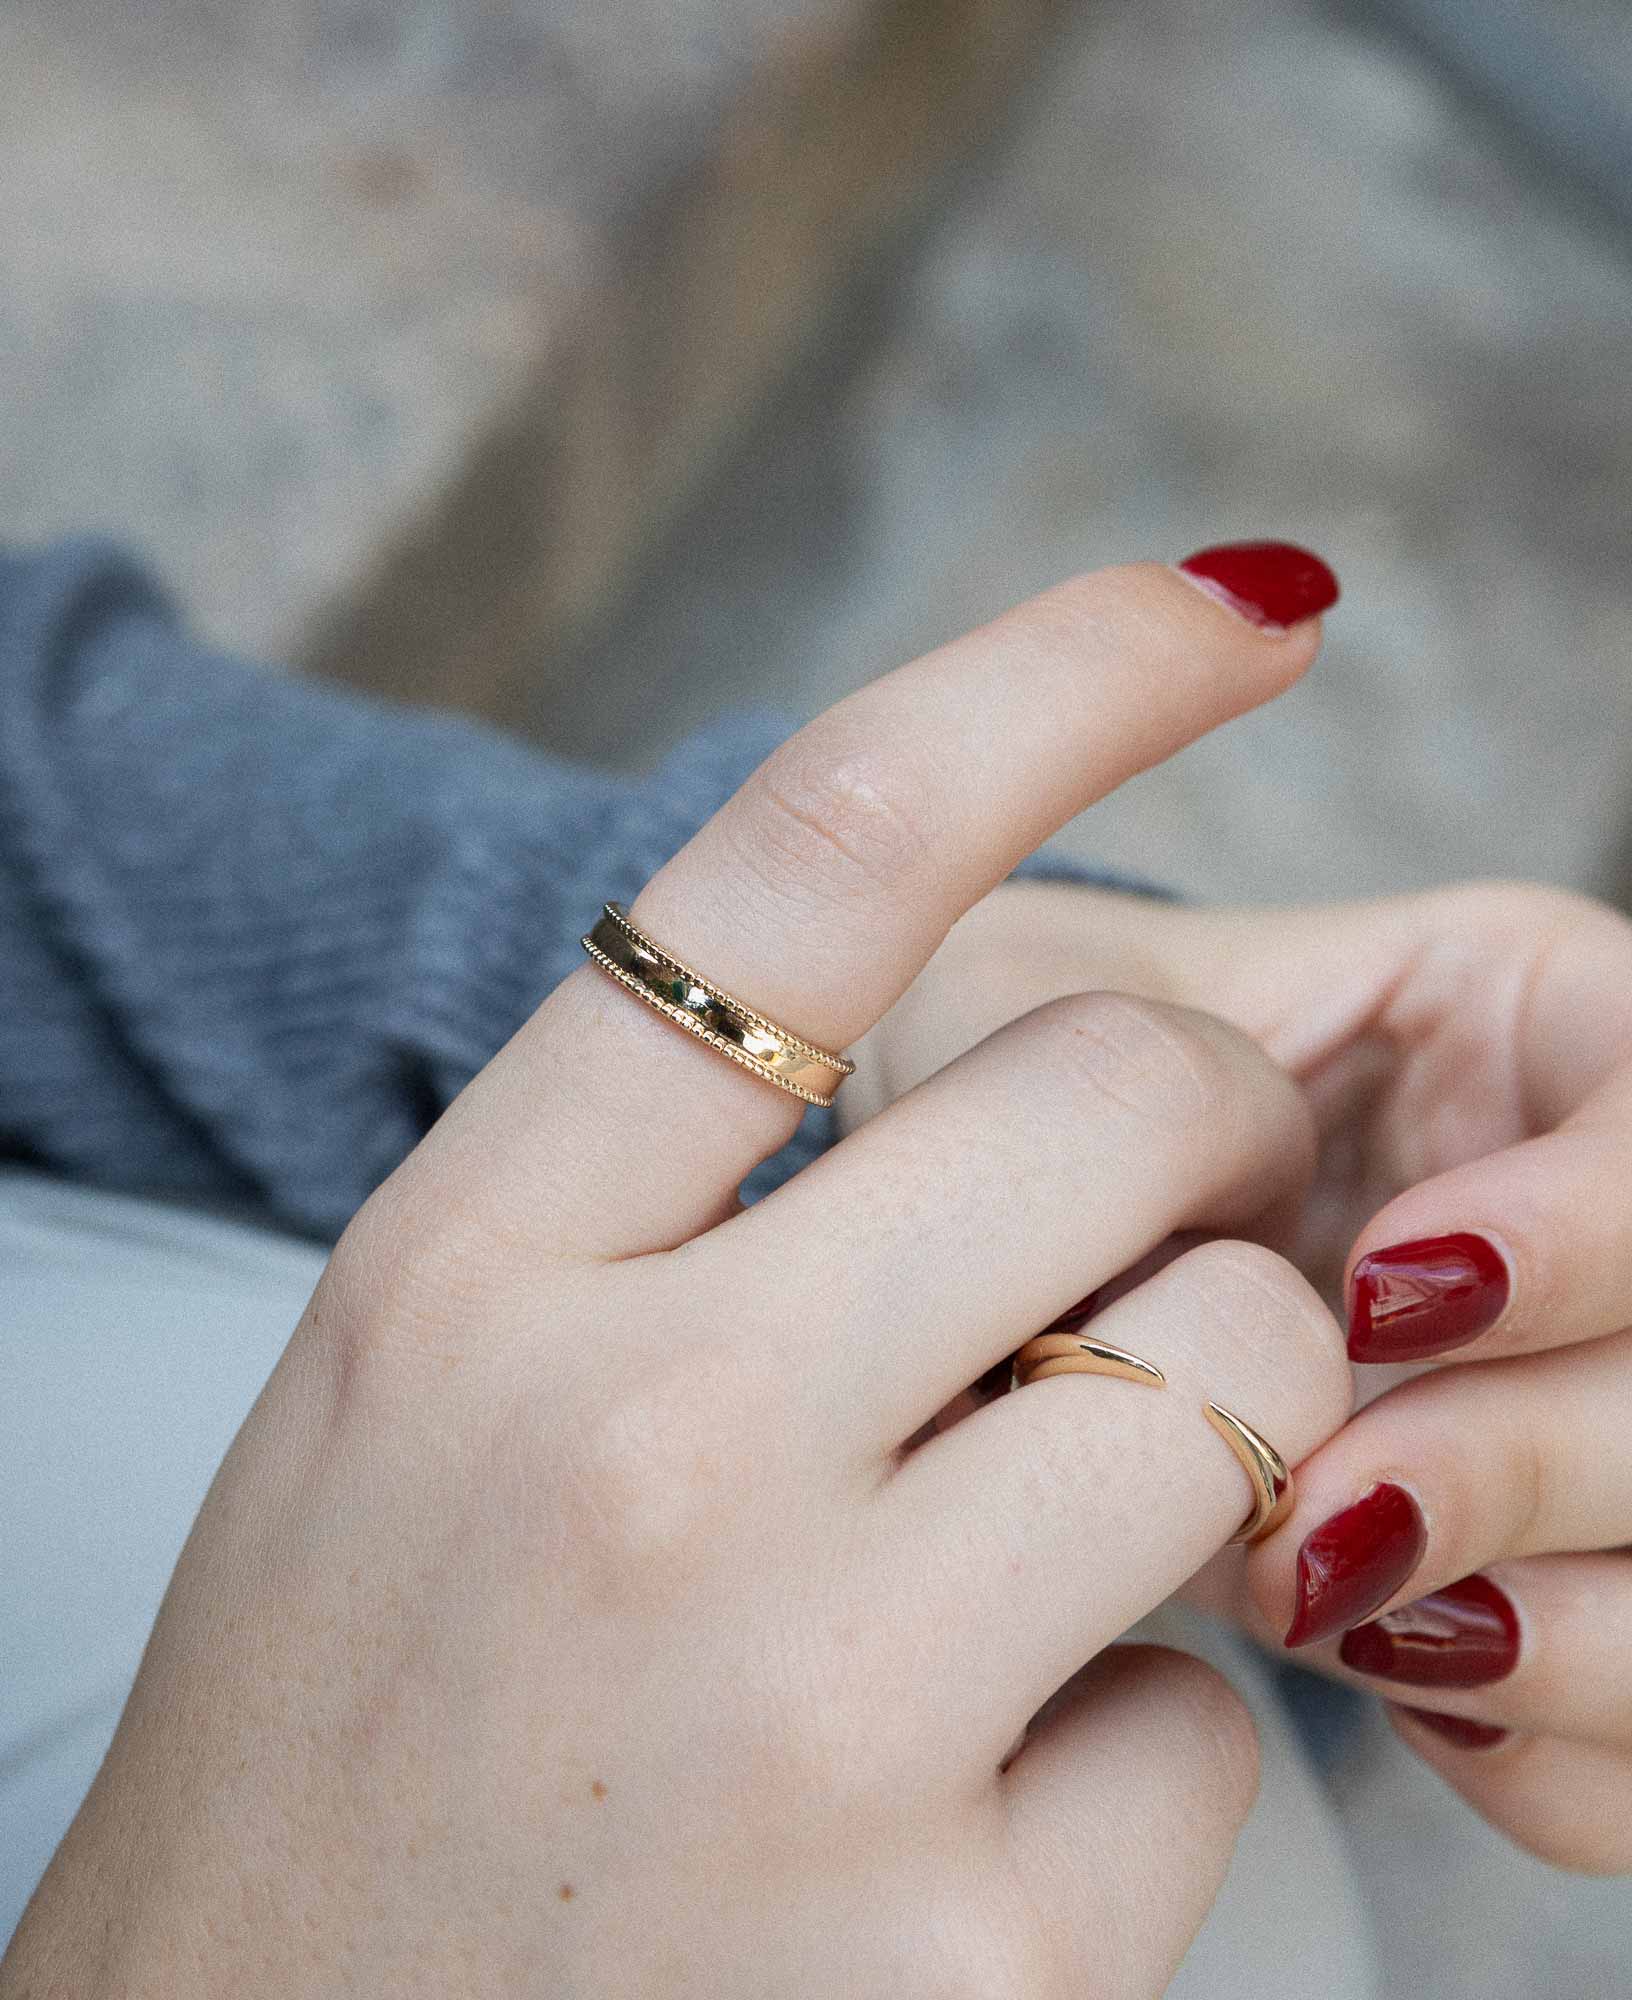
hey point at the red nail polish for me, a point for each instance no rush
(1416, 1299)
(1464, 1636)
(1274, 584)
(1356, 1561)
(1458, 1729)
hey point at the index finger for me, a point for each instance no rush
(822, 887)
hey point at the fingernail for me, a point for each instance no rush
(1274, 584)
(1464, 1636)
(1354, 1562)
(1416, 1299)
(1457, 1729)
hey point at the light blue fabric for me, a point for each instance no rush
(134, 1337)
(255, 931)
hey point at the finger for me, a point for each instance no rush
(1531, 986)
(1508, 1233)
(975, 1210)
(1446, 1474)
(1523, 1250)
(825, 884)
(1149, 1755)
(1067, 1510)
(1538, 1646)
(1567, 1803)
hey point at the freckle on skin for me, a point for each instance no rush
(597, 1790)
(567, 1892)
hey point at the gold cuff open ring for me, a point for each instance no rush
(714, 1016)
(1264, 1466)
(1080, 1353)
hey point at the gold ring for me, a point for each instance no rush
(1264, 1466)
(714, 1016)
(1079, 1353)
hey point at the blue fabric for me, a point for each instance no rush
(255, 931)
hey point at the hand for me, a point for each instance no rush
(567, 1617)
(1468, 1055)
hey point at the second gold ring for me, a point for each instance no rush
(1080, 1353)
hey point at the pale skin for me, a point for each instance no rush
(1467, 1054)
(568, 1617)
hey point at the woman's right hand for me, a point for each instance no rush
(569, 1617)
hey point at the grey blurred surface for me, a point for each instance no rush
(1250, 268)
(1556, 73)
(1460, 1913)
(393, 332)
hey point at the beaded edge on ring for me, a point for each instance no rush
(631, 930)
(671, 1011)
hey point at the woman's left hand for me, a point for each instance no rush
(1459, 1547)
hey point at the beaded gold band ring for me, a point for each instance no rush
(751, 1040)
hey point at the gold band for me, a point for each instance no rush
(694, 1003)
(1081, 1354)
(1264, 1466)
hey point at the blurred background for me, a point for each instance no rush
(592, 364)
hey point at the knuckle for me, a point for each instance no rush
(370, 1296)
(403, 1271)
(1141, 1055)
(657, 1469)
(641, 1487)
(1264, 1307)
(834, 825)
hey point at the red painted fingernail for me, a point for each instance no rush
(1464, 1636)
(1416, 1299)
(1457, 1729)
(1274, 584)
(1354, 1562)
